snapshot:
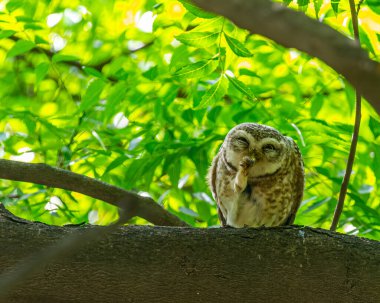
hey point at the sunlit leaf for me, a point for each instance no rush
(41, 71)
(242, 87)
(198, 39)
(316, 105)
(317, 7)
(20, 47)
(91, 96)
(93, 72)
(195, 10)
(64, 58)
(6, 33)
(215, 93)
(151, 73)
(237, 47)
(197, 70)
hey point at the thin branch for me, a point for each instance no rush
(130, 202)
(294, 29)
(355, 136)
(99, 66)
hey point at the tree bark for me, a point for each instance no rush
(167, 264)
(294, 29)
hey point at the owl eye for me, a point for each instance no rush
(242, 141)
(268, 147)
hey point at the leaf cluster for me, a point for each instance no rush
(140, 94)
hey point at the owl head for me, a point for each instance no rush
(267, 147)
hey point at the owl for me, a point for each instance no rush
(257, 177)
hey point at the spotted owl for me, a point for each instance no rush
(257, 177)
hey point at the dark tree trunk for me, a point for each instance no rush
(167, 264)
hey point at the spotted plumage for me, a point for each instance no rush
(257, 177)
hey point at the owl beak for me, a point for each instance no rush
(254, 155)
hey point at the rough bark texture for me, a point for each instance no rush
(167, 264)
(294, 29)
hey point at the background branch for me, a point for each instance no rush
(294, 29)
(132, 203)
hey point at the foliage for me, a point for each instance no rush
(140, 94)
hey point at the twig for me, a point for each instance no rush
(130, 202)
(80, 65)
(355, 136)
(294, 29)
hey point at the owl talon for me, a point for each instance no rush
(240, 182)
(245, 164)
(242, 175)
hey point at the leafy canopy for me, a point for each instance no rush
(140, 94)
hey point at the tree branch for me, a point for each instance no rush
(160, 264)
(355, 135)
(132, 203)
(294, 29)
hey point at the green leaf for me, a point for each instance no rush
(196, 11)
(374, 5)
(151, 73)
(40, 40)
(248, 72)
(237, 47)
(303, 2)
(242, 87)
(92, 94)
(6, 33)
(364, 39)
(214, 24)
(15, 4)
(33, 26)
(64, 58)
(335, 5)
(116, 96)
(198, 39)
(115, 163)
(214, 94)
(197, 70)
(93, 72)
(20, 47)
(41, 71)
(316, 104)
(374, 126)
(174, 172)
(317, 7)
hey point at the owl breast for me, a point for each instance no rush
(257, 181)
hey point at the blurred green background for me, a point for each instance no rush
(140, 94)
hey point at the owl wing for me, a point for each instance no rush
(212, 175)
(299, 184)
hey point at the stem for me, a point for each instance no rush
(355, 136)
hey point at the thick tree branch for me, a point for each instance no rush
(294, 29)
(132, 203)
(158, 264)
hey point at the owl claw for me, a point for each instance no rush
(242, 175)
